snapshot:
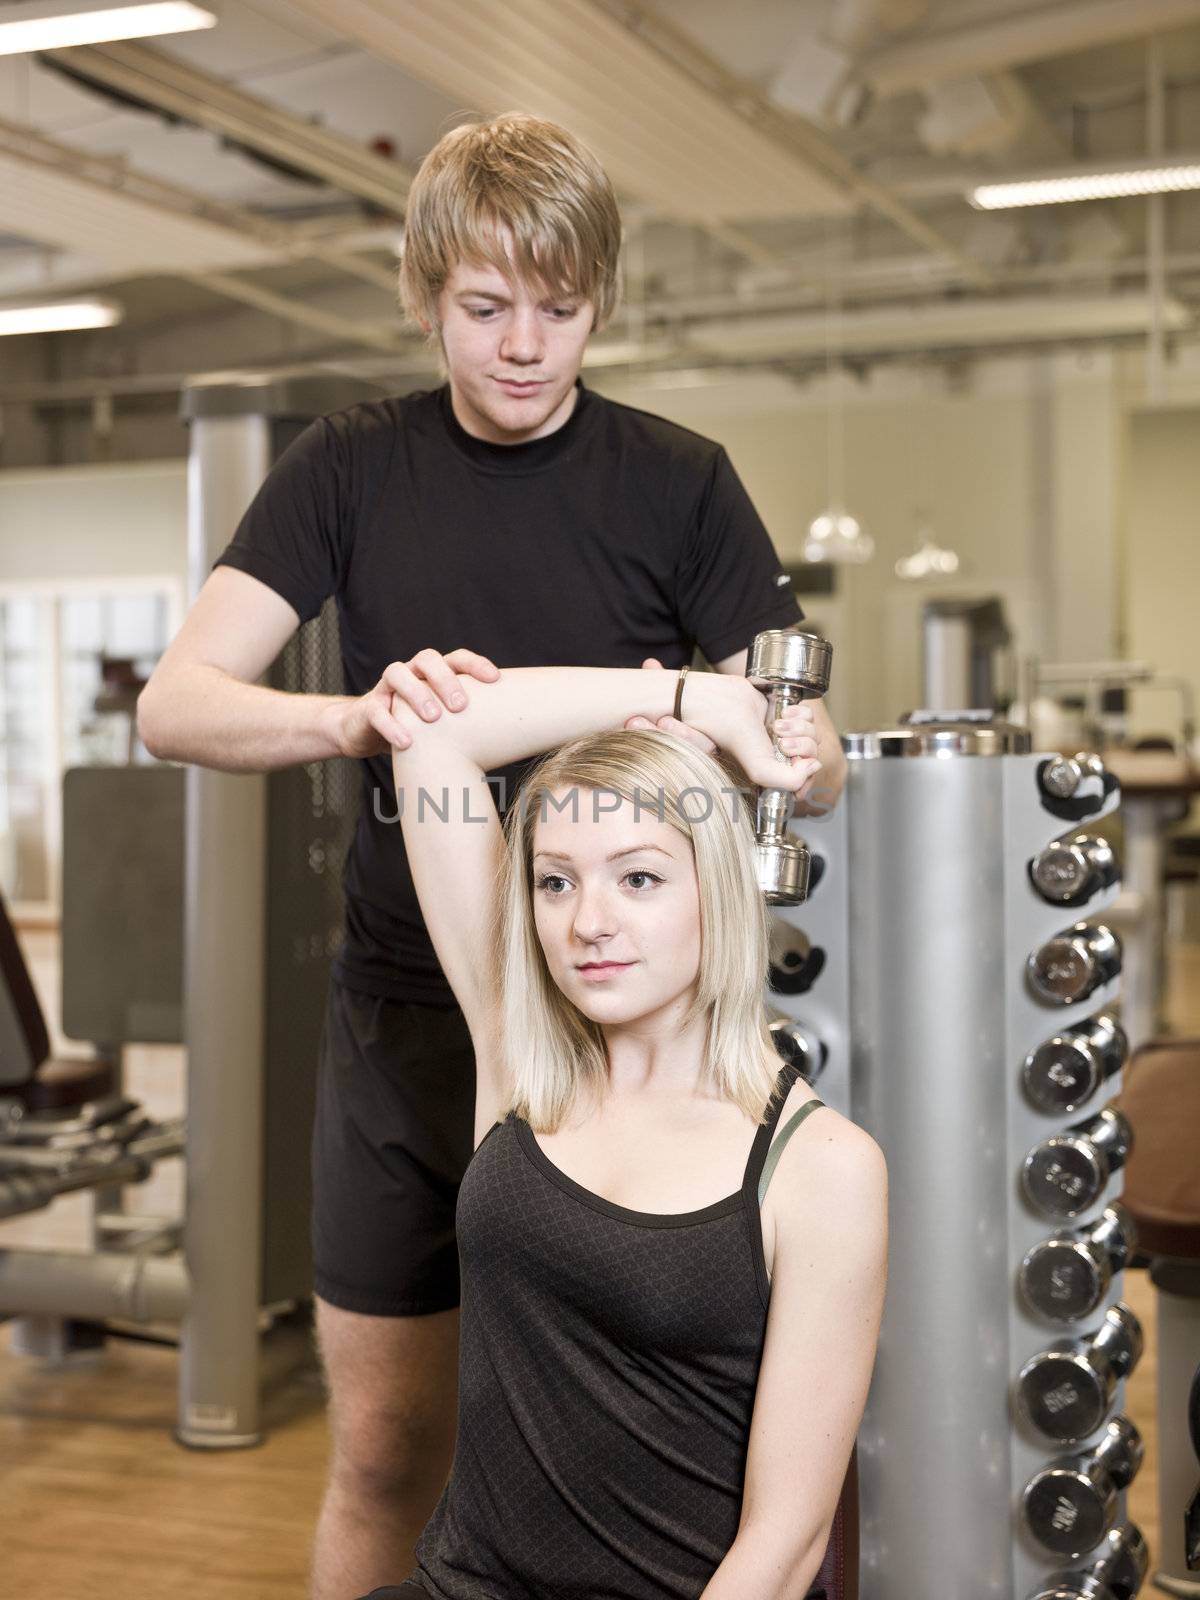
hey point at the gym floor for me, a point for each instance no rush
(101, 1503)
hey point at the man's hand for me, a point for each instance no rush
(366, 726)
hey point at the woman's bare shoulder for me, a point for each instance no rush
(827, 1156)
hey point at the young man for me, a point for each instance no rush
(517, 514)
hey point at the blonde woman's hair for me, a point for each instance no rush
(515, 193)
(554, 1052)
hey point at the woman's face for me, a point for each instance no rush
(617, 906)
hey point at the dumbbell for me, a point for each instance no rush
(794, 667)
(1071, 1504)
(1067, 1173)
(1065, 1072)
(1066, 1277)
(1074, 964)
(1066, 1391)
(1077, 783)
(1070, 871)
(1116, 1573)
(798, 1046)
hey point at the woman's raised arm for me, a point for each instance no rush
(451, 827)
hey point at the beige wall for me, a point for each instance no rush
(122, 520)
(1015, 467)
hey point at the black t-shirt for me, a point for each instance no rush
(617, 537)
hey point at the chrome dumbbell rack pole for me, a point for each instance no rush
(1032, 1018)
(943, 822)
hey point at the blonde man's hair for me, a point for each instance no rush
(517, 194)
(554, 1052)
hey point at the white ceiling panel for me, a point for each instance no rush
(126, 234)
(663, 139)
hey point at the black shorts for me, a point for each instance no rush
(393, 1133)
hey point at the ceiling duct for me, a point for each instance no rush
(1017, 320)
(663, 138)
(1011, 41)
(152, 79)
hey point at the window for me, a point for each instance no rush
(70, 660)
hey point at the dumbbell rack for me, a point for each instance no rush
(925, 915)
(1032, 820)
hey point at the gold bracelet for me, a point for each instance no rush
(679, 694)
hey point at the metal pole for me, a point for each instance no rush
(54, 1283)
(224, 1002)
(928, 1080)
(1156, 221)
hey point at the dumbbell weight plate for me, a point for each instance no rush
(1066, 1174)
(1066, 1277)
(1067, 1511)
(1063, 1074)
(783, 871)
(1073, 964)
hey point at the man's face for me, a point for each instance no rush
(512, 351)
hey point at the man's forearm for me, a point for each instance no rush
(831, 780)
(204, 716)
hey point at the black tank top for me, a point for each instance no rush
(607, 1372)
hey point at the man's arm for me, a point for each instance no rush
(827, 790)
(204, 705)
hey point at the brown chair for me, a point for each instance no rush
(28, 1074)
(1161, 1099)
(838, 1577)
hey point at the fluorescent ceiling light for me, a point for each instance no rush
(59, 316)
(45, 26)
(1100, 183)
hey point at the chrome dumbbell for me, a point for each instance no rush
(1070, 871)
(1065, 1072)
(793, 667)
(1115, 1572)
(1067, 1173)
(1066, 1277)
(1081, 782)
(798, 1046)
(1074, 964)
(1066, 1392)
(1070, 1505)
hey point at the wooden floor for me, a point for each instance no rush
(97, 1501)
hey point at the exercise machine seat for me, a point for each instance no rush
(28, 1073)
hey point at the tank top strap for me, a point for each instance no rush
(762, 1139)
(780, 1144)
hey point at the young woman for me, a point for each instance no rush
(663, 1360)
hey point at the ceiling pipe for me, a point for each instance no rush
(1013, 40)
(209, 102)
(790, 131)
